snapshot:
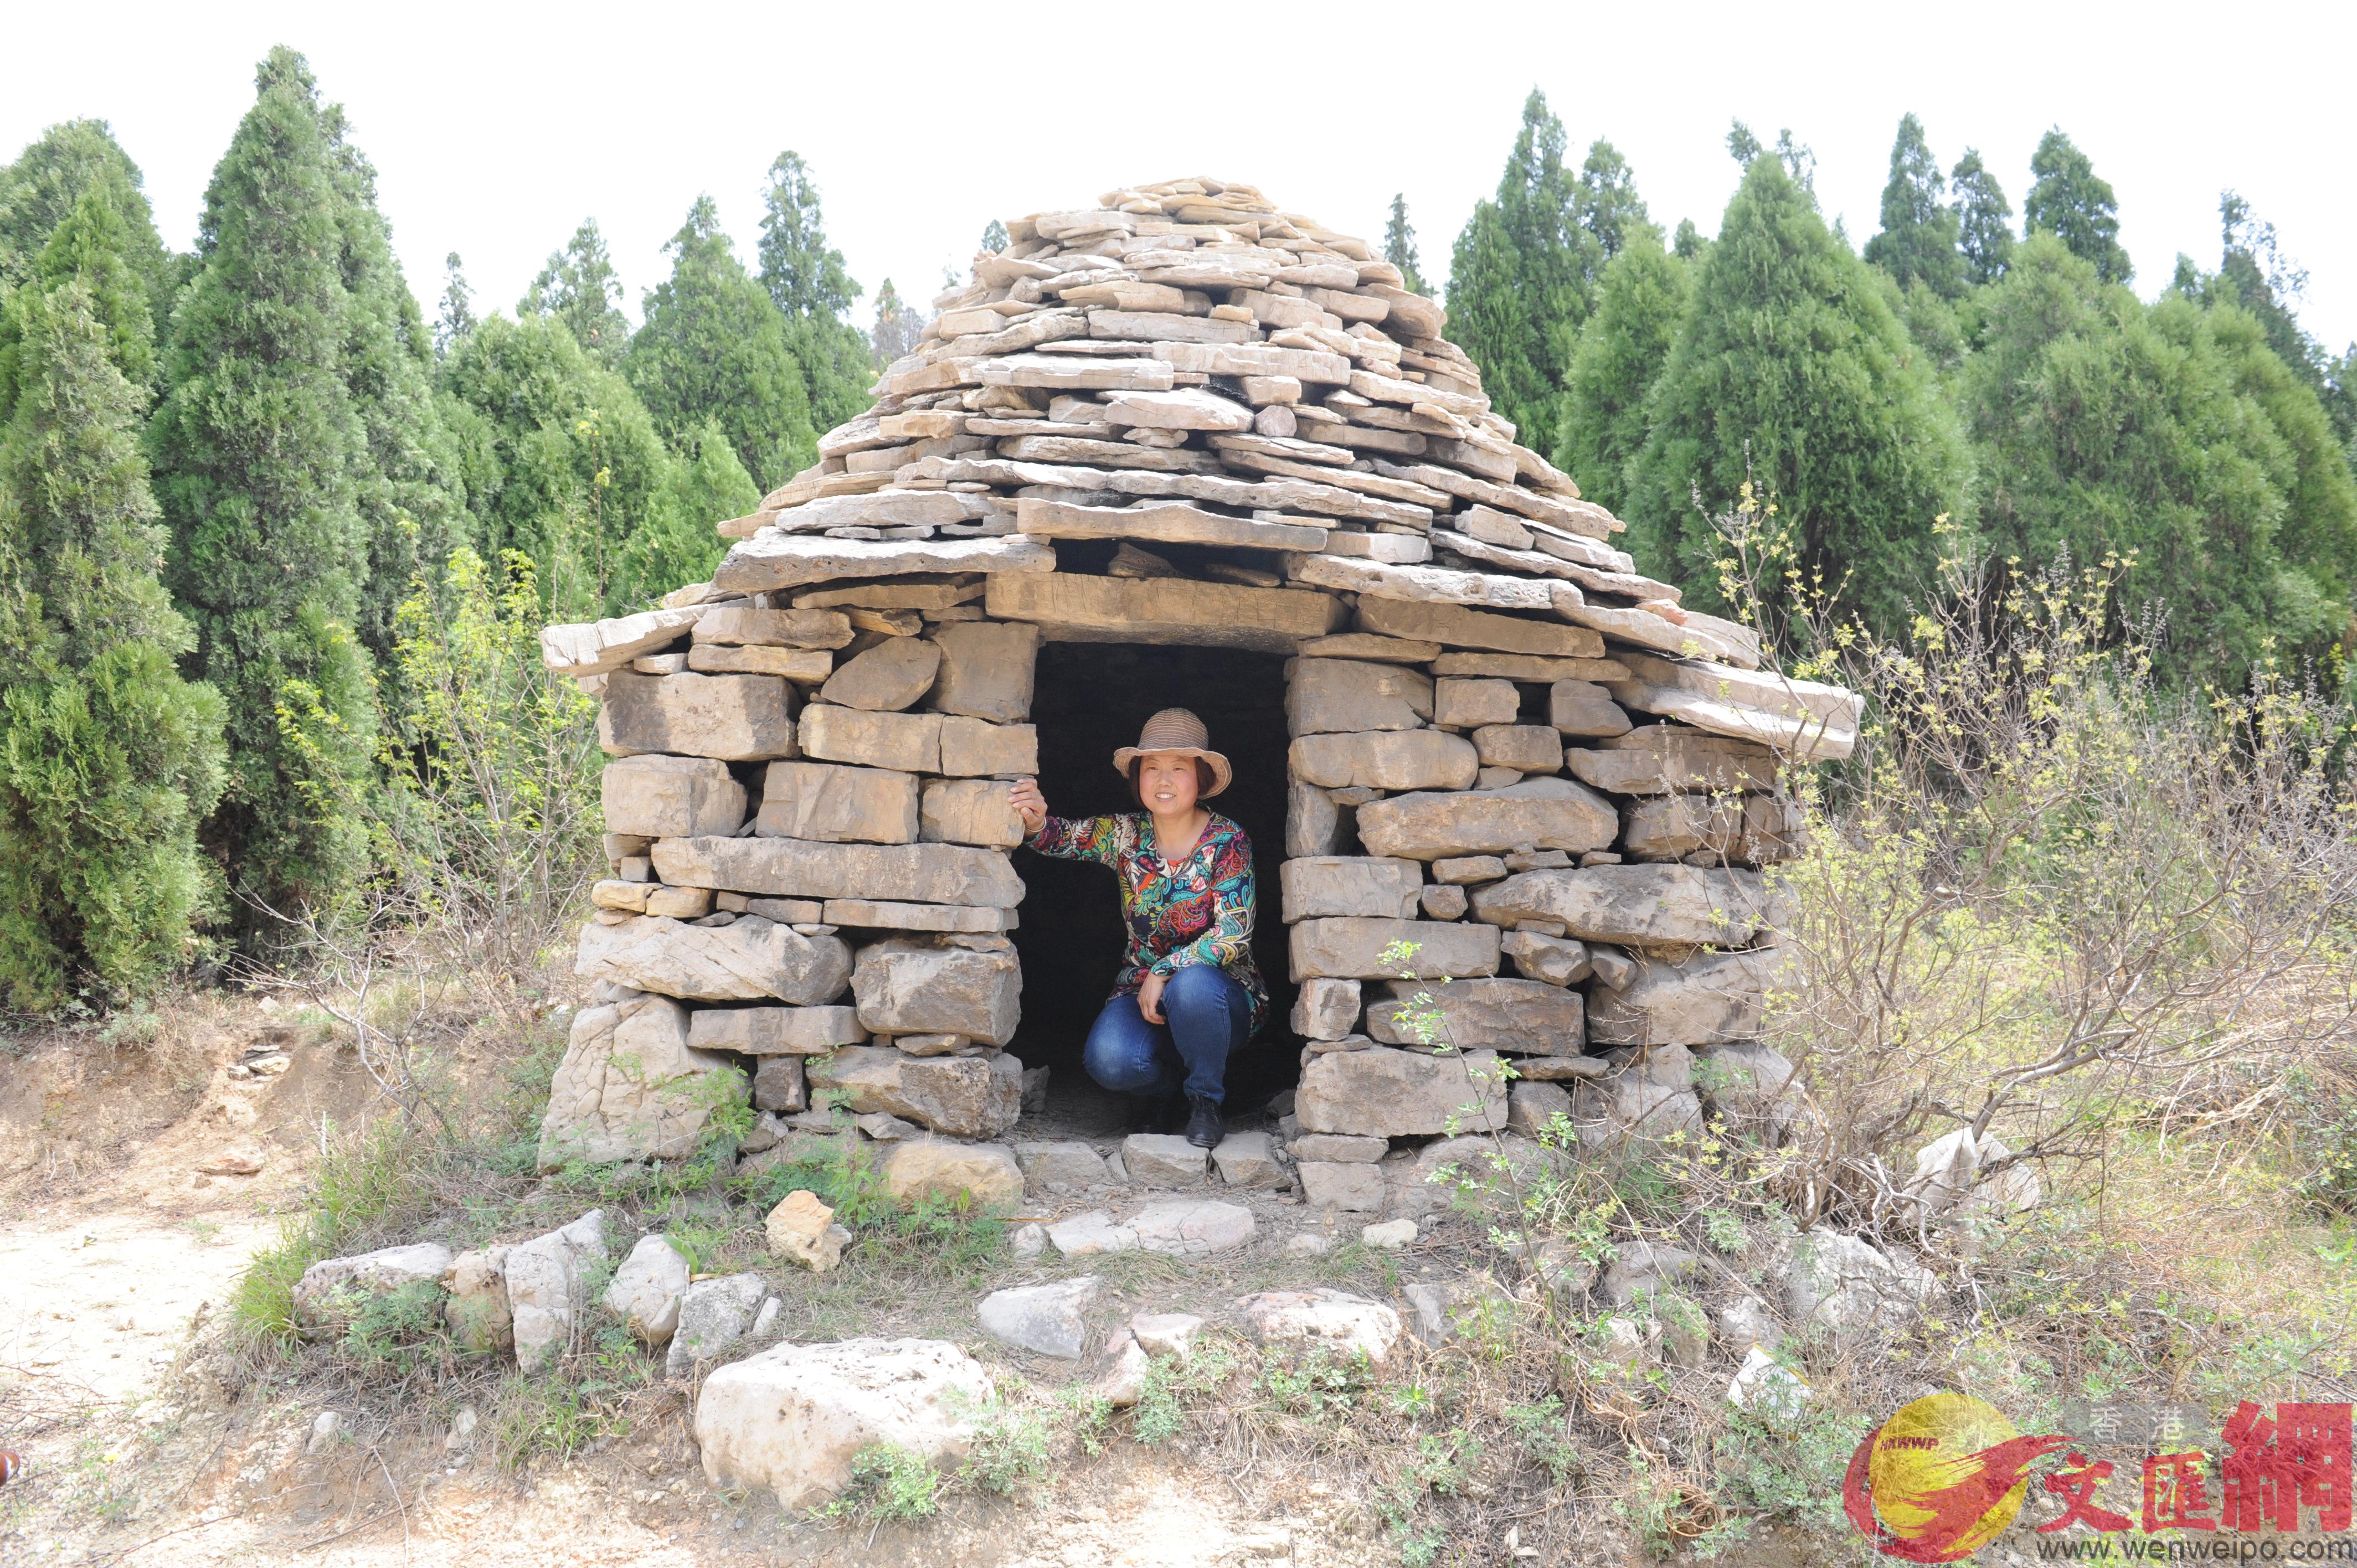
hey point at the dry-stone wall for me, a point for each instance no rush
(1182, 416)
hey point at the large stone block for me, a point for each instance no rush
(905, 743)
(915, 987)
(1635, 906)
(1313, 824)
(334, 1290)
(1537, 814)
(1702, 1001)
(1621, 1114)
(1525, 748)
(1385, 759)
(976, 747)
(830, 804)
(1069, 607)
(983, 1175)
(793, 868)
(1328, 885)
(1525, 1017)
(1354, 948)
(1386, 1093)
(775, 1031)
(969, 810)
(987, 670)
(1468, 702)
(1340, 696)
(1585, 708)
(965, 1097)
(793, 1417)
(1326, 1009)
(1453, 625)
(1752, 830)
(631, 1088)
(743, 961)
(736, 718)
(657, 797)
(549, 1279)
(1663, 759)
(744, 625)
(886, 678)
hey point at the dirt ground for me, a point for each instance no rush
(144, 1446)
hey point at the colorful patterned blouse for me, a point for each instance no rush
(1198, 911)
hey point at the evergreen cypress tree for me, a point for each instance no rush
(702, 486)
(259, 451)
(407, 488)
(994, 236)
(1689, 245)
(1640, 303)
(108, 758)
(1608, 204)
(897, 326)
(1920, 230)
(457, 316)
(1984, 218)
(1399, 246)
(47, 182)
(562, 459)
(2069, 202)
(714, 347)
(2253, 272)
(807, 278)
(579, 287)
(1792, 371)
(2172, 431)
(1523, 274)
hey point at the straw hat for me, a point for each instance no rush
(1176, 729)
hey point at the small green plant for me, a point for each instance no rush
(1161, 1408)
(698, 1245)
(887, 1483)
(392, 1328)
(1009, 1447)
(555, 1416)
(1320, 1384)
(1545, 1437)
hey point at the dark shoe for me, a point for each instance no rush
(1204, 1128)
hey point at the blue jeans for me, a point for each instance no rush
(1209, 1015)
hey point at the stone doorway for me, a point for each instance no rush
(1091, 698)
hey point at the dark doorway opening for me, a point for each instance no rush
(1089, 700)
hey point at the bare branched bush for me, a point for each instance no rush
(2046, 896)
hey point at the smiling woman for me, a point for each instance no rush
(1189, 992)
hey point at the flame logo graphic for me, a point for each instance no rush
(1940, 1479)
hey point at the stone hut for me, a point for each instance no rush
(1181, 448)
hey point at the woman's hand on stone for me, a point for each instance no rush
(1028, 804)
(1149, 998)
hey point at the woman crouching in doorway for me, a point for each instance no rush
(1189, 993)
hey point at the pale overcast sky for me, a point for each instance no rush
(496, 128)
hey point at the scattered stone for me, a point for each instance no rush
(1627, 1343)
(548, 1286)
(1844, 1283)
(1745, 1324)
(1191, 1227)
(1767, 1388)
(477, 1310)
(1947, 1180)
(1644, 1266)
(332, 1290)
(1121, 1384)
(793, 1417)
(1332, 1318)
(1029, 1240)
(802, 1230)
(1309, 1243)
(713, 1315)
(1050, 1320)
(1561, 1270)
(646, 1290)
(1086, 1235)
(1388, 1237)
(1245, 1160)
(1169, 1334)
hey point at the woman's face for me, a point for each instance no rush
(1166, 782)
